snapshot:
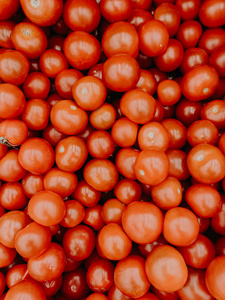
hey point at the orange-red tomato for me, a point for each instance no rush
(112, 211)
(36, 85)
(15, 131)
(12, 196)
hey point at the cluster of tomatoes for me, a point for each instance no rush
(112, 149)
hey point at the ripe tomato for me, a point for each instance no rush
(188, 9)
(212, 39)
(168, 92)
(163, 262)
(217, 60)
(211, 13)
(7, 255)
(151, 166)
(36, 85)
(206, 163)
(93, 217)
(32, 240)
(79, 56)
(100, 144)
(125, 160)
(130, 277)
(42, 12)
(114, 11)
(53, 136)
(189, 33)
(36, 156)
(147, 82)
(46, 208)
(128, 191)
(6, 28)
(32, 184)
(104, 117)
(16, 274)
(83, 15)
(12, 196)
(120, 37)
(112, 211)
(8, 9)
(12, 101)
(15, 131)
(193, 57)
(138, 17)
(214, 111)
(74, 214)
(29, 39)
(153, 38)
(121, 72)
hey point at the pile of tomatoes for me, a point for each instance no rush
(112, 149)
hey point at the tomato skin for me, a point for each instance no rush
(125, 160)
(214, 277)
(75, 214)
(212, 12)
(26, 288)
(206, 163)
(83, 16)
(113, 242)
(188, 9)
(32, 184)
(138, 17)
(43, 13)
(199, 83)
(79, 242)
(46, 208)
(32, 240)
(120, 37)
(189, 33)
(84, 57)
(128, 191)
(49, 265)
(36, 156)
(212, 39)
(12, 196)
(130, 277)
(114, 11)
(36, 85)
(15, 131)
(145, 170)
(53, 136)
(6, 28)
(214, 111)
(192, 57)
(166, 261)
(153, 38)
(101, 174)
(8, 9)
(195, 287)
(121, 72)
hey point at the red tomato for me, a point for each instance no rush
(168, 92)
(46, 208)
(112, 211)
(128, 191)
(166, 262)
(188, 111)
(114, 11)
(6, 28)
(188, 9)
(8, 9)
(100, 144)
(212, 12)
(15, 131)
(104, 117)
(176, 222)
(212, 39)
(125, 160)
(217, 60)
(138, 17)
(189, 33)
(121, 72)
(147, 82)
(93, 217)
(7, 255)
(12, 196)
(82, 50)
(32, 240)
(32, 184)
(193, 57)
(75, 213)
(83, 15)
(86, 194)
(142, 222)
(214, 111)
(16, 274)
(36, 85)
(130, 277)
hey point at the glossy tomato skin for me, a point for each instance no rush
(15, 131)
(12, 196)
(212, 39)
(113, 11)
(199, 83)
(192, 57)
(138, 17)
(75, 214)
(36, 85)
(166, 261)
(32, 184)
(125, 160)
(130, 277)
(189, 33)
(217, 60)
(211, 13)
(82, 58)
(206, 163)
(188, 9)
(86, 194)
(214, 111)
(128, 191)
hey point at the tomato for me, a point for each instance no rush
(51, 287)
(49, 265)
(212, 39)
(114, 11)
(138, 17)
(100, 275)
(16, 274)
(204, 200)
(169, 15)
(166, 262)
(146, 249)
(176, 222)
(29, 39)
(188, 9)
(142, 4)
(214, 277)
(83, 16)
(199, 254)
(202, 132)
(151, 166)
(115, 294)
(104, 117)
(211, 13)
(36, 156)
(10, 168)
(81, 50)
(6, 28)
(64, 82)
(159, 75)
(60, 182)
(120, 37)
(42, 13)
(199, 83)
(56, 42)
(68, 118)
(125, 160)
(147, 82)
(26, 288)
(101, 174)
(79, 242)
(121, 72)
(89, 92)
(128, 191)
(36, 114)
(53, 136)
(7, 255)
(188, 111)
(100, 144)
(217, 221)
(219, 246)
(32, 184)
(93, 217)
(206, 163)
(193, 57)
(112, 211)
(142, 222)
(195, 287)
(177, 133)
(153, 38)
(168, 92)
(15, 131)
(2, 283)
(46, 208)
(70, 154)
(130, 277)
(32, 240)
(36, 85)
(189, 33)
(74, 214)
(12, 196)
(74, 284)
(171, 57)
(214, 111)
(8, 9)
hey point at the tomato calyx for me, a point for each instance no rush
(4, 141)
